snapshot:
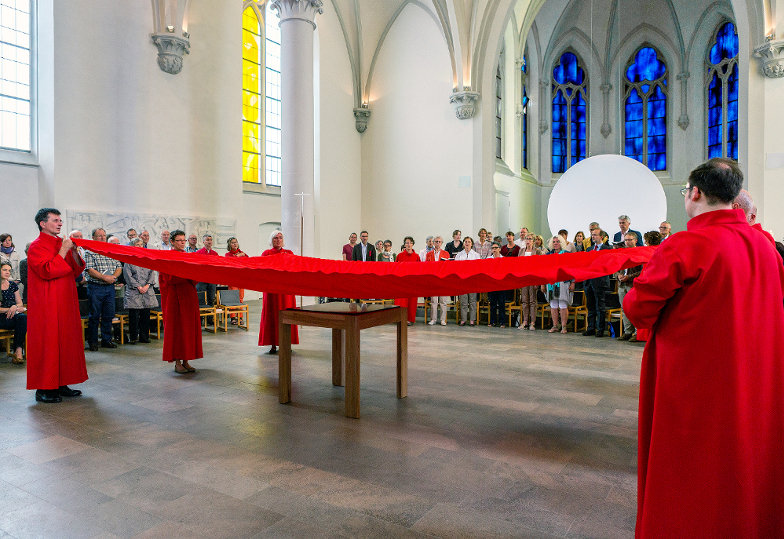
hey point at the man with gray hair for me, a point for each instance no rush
(427, 249)
(665, 229)
(210, 288)
(624, 223)
(102, 274)
(436, 255)
(744, 202)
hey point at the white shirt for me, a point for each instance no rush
(470, 255)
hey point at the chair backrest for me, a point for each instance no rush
(119, 306)
(203, 299)
(229, 298)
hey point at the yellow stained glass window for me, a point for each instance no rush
(252, 97)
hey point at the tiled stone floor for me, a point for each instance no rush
(504, 433)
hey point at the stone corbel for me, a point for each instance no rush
(606, 128)
(771, 56)
(361, 117)
(683, 121)
(171, 49)
(464, 102)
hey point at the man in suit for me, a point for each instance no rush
(364, 251)
(624, 224)
(436, 255)
(595, 292)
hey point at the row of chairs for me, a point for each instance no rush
(213, 317)
(578, 311)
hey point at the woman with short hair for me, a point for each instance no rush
(139, 298)
(559, 294)
(468, 301)
(272, 304)
(12, 312)
(408, 255)
(529, 301)
(9, 255)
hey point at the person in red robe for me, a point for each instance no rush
(272, 304)
(55, 350)
(181, 321)
(408, 255)
(710, 443)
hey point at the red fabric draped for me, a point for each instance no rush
(346, 279)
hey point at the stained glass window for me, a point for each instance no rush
(524, 100)
(260, 96)
(570, 113)
(645, 109)
(499, 106)
(722, 84)
(15, 106)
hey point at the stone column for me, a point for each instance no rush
(297, 127)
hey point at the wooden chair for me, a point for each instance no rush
(613, 313)
(7, 335)
(206, 312)
(156, 318)
(482, 307)
(120, 317)
(229, 303)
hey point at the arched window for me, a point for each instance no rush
(260, 95)
(499, 106)
(722, 82)
(524, 113)
(15, 79)
(645, 109)
(570, 112)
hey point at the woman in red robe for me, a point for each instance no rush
(181, 321)
(274, 303)
(408, 255)
(55, 349)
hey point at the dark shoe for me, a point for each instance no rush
(600, 334)
(589, 332)
(132, 341)
(66, 391)
(144, 341)
(108, 344)
(273, 350)
(626, 337)
(48, 395)
(93, 347)
(633, 338)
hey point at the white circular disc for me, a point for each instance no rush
(600, 189)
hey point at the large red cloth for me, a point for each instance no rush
(711, 416)
(181, 321)
(410, 304)
(55, 350)
(272, 304)
(345, 279)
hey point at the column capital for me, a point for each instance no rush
(303, 10)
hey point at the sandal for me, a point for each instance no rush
(564, 331)
(17, 360)
(554, 329)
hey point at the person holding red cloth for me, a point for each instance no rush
(181, 321)
(272, 304)
(55, 350)
(408, 255)
(710, 440)
(233, 250)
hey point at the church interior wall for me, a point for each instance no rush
(416, 156)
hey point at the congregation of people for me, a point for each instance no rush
(559, 296)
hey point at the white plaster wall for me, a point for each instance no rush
(338, 144)
(415, 151)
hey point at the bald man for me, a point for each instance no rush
(744, 202)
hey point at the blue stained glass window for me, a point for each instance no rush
(645, 109)
(569, 113)
(524, 100)
(722, 99)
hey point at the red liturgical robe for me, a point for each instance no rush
(711, 417)
(410, 304)
(271, 305)
(181, 322)
(55, 350)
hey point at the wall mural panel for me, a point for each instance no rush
(118, 223)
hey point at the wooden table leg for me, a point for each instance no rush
(284, 363)
(337, 357)
(352, 369)
(402, 355)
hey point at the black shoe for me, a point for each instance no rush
(626, 337)
(132, 341)
(108, 344)
(273, 350)
(589, 332)
(144, 341)
(600, 333)
(48, 395)
(93, 347)
(66, 391)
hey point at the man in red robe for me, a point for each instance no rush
(55, 351)
(181, 321)
(272, 304)
(711, 417)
